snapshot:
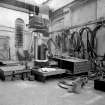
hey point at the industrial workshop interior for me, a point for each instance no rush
(52, 52)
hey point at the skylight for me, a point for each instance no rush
(34, 2)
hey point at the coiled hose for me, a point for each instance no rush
(81, 44)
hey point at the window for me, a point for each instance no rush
(19, 32)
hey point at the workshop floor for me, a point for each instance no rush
(37, 93)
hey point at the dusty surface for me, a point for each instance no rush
(37, 93)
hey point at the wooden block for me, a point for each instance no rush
(31, 78)
(24, 76)
(28, 74)
(8, 78)
(18, 77)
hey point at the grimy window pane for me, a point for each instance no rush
(19, 28)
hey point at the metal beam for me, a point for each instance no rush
(17, 4)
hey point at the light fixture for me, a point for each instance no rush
(34, 2)
(40, 1)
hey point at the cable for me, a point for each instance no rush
(80, 81)
(74, 40)
(97, 67)
(64, 85)
(81, 44)
(64, 36)
(49, 45)
(98, 26)
(73, 43)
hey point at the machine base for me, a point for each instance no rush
(8, 73)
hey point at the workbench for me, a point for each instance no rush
(72, 64)
(42, 75)
(14, 72)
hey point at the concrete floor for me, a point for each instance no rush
(37, 93)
